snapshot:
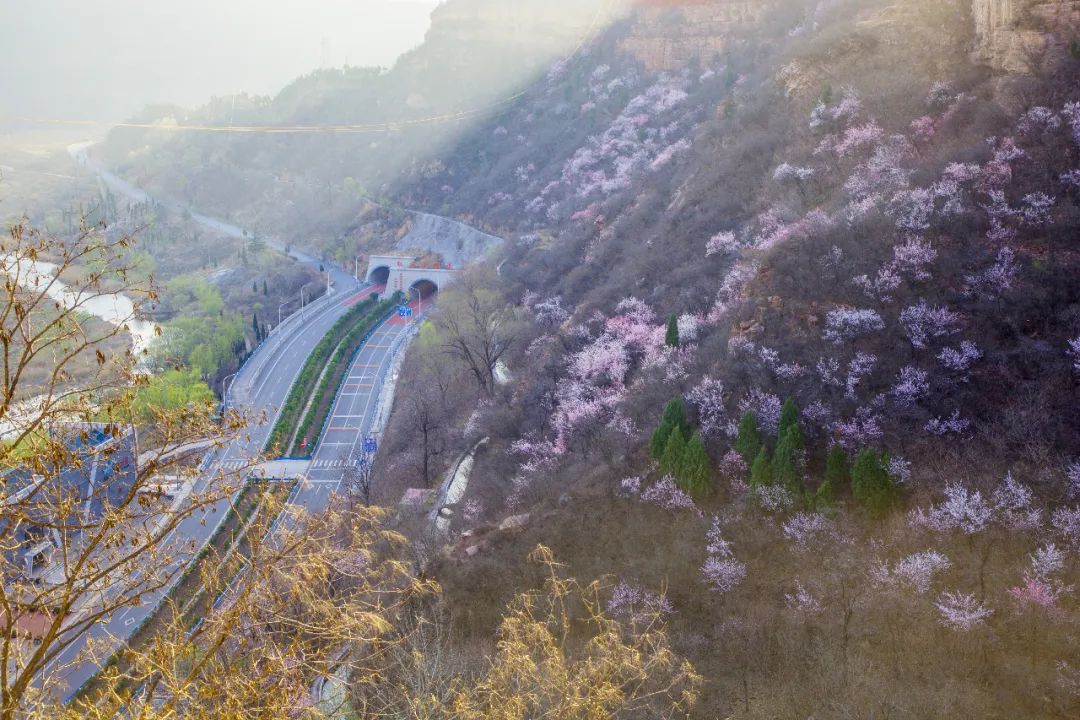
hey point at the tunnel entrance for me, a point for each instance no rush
(379, 275)
(423, 289)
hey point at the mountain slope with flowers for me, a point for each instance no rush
(872, 281)
(783, 348)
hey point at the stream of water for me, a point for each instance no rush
(114, 308)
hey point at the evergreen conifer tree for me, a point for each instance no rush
(671, 460)
(786, 459)
(837, 469)
(695, 471)
(761, 470)
(748, 443)
(871, 484)
(789, 417)
(674, 417)
(672, 336)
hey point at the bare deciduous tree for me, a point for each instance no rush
(476, 325)
(87, 523)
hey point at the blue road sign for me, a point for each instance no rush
(404, 312)
(370, 445)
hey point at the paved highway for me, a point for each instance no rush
(259, 389)
(353, 415)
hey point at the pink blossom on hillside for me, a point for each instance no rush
(1071, 177)
(1067, 523)
(708, 398)
(1038, 119)
(913, 256)
(817, 414)
(1074, 350)
(866, 135)
(1038, 593)
(880, 287)
(689, 325)
(723, 243)
(961, 172)
(789, 371)
(637, 604)
(1036, 209)
(472, 511)
(630, 485)
(913, 209)
(732, 465)
(721, 570)
(923, 322)
(715, 544)
(843, 112)
(963, 509)
(948, 426)
(827, 369)
(911, 385)
(666, 494)
(604, 361)
(1012, 502)
(801, 601)
(1072, 477)
(960, 359)
(859, 208)
(765, 406)
(847, 323)
(961, 612)
(1071, 113)
(723, 574)
(998, 172)
(539, 454)
(1047, 561)
(899, 469)
(774, 498)
(861, 430)
(924, 128)
(550, 312)
(883, 173)
(860, 366)
(668, 154)
(587, 214)
(786, 172)
(802, 528)
(849, 107)
(917, 570)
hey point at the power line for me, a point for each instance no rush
(390, 126)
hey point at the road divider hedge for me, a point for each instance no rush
(334, 377)
(364, 314)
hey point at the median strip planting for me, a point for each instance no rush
(316, 379)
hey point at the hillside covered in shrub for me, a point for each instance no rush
(783, 344)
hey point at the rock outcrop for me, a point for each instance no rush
(1017, 35)
(668, 34)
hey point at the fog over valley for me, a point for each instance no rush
(104, 60)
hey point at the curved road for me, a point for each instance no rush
(260, 388)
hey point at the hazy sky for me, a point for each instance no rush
(105, 59)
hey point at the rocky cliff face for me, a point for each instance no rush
(555, 25)
(668, 34)
(1016, 35)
